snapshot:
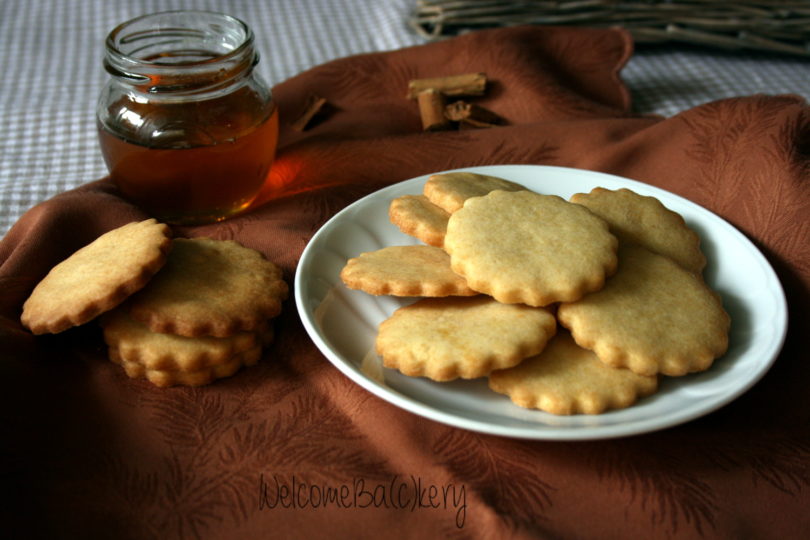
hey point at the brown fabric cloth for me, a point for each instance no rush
(89, 453)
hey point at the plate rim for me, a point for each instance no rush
(414, 406)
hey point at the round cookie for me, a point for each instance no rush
(652, 316)
(135, 343)
(202, 376)
(450, 190)
(448, 338)
(210, 288)
(416, 216)
(97, 277)
(525, 247)
(645, 221)
(405, 271)
(567, 379)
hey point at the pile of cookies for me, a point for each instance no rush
(571, 307)
(174, 311)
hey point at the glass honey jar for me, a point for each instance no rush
(186, 126)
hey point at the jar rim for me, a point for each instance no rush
(114, 38)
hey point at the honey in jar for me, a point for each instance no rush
(187, 128)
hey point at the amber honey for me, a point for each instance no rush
(187, 128)
(189, 182)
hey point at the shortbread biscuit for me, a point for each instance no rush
(525, 247)
(405, 271)
(646, 221)
(204, 375)
(652, 316)
(447, 338)
(416, 216)
(210, 287)
(567, 379)
(450, 190)
(135, 343)
(97, 277)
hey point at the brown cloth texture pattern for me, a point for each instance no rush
(88, 453)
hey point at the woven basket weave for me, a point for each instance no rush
(765, 25)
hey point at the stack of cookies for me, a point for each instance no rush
(570, 307)
(174, 311)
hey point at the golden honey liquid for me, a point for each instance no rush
(199, 175)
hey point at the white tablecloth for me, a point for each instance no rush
(51, 52)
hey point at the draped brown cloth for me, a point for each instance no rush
(89, 453)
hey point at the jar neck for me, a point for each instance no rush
(181, 54)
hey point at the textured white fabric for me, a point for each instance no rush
(51, 51)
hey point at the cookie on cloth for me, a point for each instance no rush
(210, 288)
(567, 379)
(97, 277)
(465, 337)
(404, 271)
(416, 216)
(644, 220)
(652, 316)
(530, 248)
(450, 190)
(202, 376)
(135, 343)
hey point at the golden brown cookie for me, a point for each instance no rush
(525, 247)
(645, 221)
(405, 271)
(210, 288)
(652, 316)
(450, 190)
(416, 216)
(202, 376)
(567, 379)
(448, 338)
(97, 277)
(135, 343)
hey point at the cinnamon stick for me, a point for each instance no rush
(467, 84)
(431, 110)
(313, 106)
(471, 115)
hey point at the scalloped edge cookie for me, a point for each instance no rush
(524, 247)
(566, 379)
(416, 270)
(652, 316)
(210, 288)
(644, 220)
(416, 216)
(199, 377)
(97, 277)
(135, 343)
(450, 190)
(449, 338)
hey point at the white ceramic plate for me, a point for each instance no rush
(343, 322)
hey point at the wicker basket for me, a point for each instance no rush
(765, 25)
